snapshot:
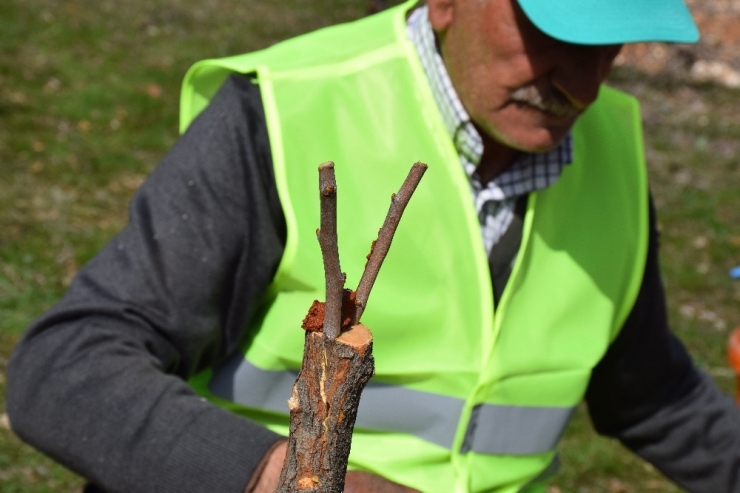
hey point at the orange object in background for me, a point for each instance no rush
(733, 357)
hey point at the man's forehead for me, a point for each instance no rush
(602, 22)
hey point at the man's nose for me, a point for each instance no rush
(581, 70)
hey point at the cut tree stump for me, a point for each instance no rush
(323, 409)
(337, 353)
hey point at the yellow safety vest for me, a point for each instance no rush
(464, 399)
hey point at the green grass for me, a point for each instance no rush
(88, 106)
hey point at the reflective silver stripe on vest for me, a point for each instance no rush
(515, 430)
(431, 417)
(508, 430)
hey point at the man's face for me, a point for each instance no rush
(521, 87)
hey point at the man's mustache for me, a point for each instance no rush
(552, 100)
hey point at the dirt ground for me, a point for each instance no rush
(715, 58)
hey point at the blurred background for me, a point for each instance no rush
(88, 106)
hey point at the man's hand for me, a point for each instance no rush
(270, 474)
(365, 482)
(355, 481)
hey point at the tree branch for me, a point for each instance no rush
(336, 366)
(379, 248)
(327, 235)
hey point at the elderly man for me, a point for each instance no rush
(483, 348)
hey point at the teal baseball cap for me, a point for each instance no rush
(598, 22)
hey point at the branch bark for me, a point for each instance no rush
(327, 235)
(380, 247)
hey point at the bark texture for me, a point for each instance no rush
(323, 409)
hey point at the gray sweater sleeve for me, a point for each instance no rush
(98, 382)
(647, 393)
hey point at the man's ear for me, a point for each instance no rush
(441, 14)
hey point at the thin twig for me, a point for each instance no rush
(385, 236)
(327, 235)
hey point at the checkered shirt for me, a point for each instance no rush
(494, 201)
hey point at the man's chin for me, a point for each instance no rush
(541, 140)
(539, 135)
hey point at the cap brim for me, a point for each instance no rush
(595, 22)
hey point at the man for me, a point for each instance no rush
(481, 353)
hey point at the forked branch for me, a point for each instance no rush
(336, 366)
